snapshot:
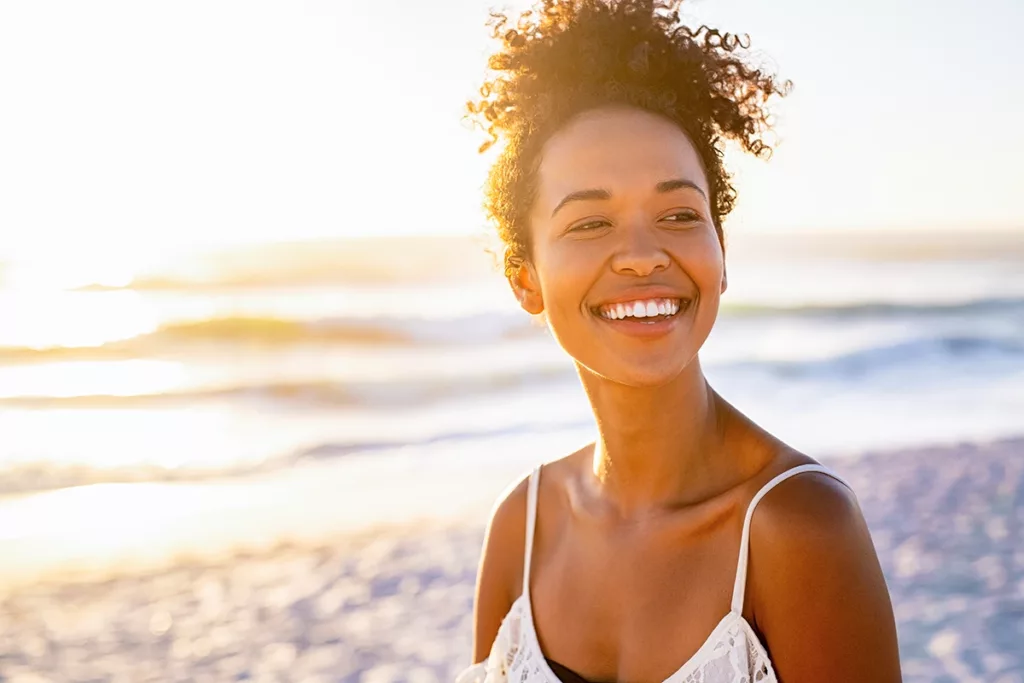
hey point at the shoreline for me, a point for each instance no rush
(395, 602)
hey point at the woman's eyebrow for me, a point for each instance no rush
(581, 195)
(597, 193)
(678, 183)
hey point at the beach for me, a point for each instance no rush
(269, 466)
(263, 377)
(395, 603)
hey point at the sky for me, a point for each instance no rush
(130, 128)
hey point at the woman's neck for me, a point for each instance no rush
(657, 447)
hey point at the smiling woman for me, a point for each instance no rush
(682, 544)
(652, 210)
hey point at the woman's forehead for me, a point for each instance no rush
(617, 147)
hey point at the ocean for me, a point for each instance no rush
(267, 394)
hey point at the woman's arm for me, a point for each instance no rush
(500, 572)
(816, 590)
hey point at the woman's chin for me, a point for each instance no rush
(646, 373)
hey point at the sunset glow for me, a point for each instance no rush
(264, 387)
(118, 141)
(48, 319)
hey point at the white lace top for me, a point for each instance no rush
(732, 652)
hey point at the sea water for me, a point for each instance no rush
(220, 412)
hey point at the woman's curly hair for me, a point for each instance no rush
(565, 56)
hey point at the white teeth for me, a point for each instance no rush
(641, 309)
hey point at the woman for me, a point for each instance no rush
(685, 544)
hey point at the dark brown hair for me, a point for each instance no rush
(563, 57)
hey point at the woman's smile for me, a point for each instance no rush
(646, 317)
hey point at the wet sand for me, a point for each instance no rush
(396, 605)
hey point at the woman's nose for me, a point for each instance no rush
(639, 252)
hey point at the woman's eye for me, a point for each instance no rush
(683, 217)
(589, 225)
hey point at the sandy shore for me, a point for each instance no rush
(396, 605)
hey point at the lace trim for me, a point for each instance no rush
(736, 656)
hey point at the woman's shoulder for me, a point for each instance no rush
(806, 500)
(509, 510)
(505, 541)
(812, 561)
(811, 511)
(505, 536)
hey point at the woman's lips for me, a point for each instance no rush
(641, 308)
(647, 327)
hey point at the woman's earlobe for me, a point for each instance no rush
(524, 285)
(725, 281)
(532, 304)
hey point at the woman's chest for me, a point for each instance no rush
(634, 607)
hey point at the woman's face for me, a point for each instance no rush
(625, 259)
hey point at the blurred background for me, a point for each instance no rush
(261, 381)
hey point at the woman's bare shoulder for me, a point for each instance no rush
(815, 585)
(506, 530)
(505, 538)
(806, 497)
(811, 514)
(500, 574)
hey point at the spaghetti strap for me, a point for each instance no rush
(531, 524)
(740, 586)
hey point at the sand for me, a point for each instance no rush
(397, 604)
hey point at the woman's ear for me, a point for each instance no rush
(527, 289)
(725, 279)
